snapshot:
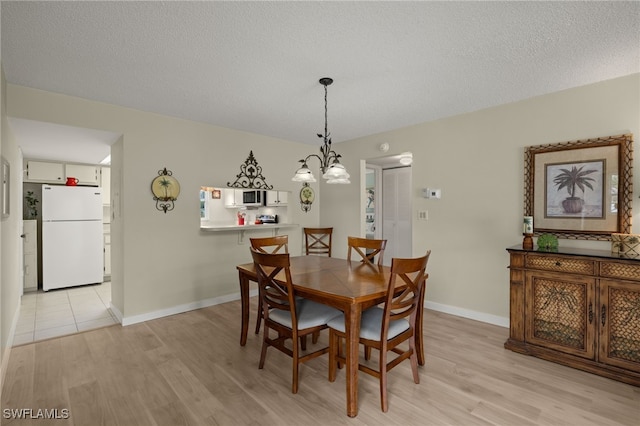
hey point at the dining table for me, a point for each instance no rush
(350, 286)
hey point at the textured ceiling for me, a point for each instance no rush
(255, 65)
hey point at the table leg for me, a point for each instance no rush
(352, 328)
(244, 298)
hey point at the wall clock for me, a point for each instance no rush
(307, 196)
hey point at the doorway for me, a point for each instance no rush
(389, 184)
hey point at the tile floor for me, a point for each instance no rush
(65, 311)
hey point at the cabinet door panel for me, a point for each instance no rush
(87, 175)
(45, 172)
(619, 322)
(105, 184)
(560, 312)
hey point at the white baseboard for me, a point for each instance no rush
(179, 309)
(447, 309)
(116, 312)
(466, 313)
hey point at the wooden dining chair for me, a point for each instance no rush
(387, 327)
(290, 317)
(367, 248)
(277, 244)
(318, 240)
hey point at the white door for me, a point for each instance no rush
(396, 213)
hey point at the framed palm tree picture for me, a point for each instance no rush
(575, 189)
(580, 189)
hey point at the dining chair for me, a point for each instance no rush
(277, 244)
(271, 244)
(367, 248)
(318, 240)
(290, 317)
(385, 328)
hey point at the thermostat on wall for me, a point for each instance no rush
(431, 193)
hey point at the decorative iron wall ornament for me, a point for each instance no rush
(250, 175)
(165, 190)
(307, 195)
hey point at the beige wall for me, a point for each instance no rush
(477, 161)
(10, 230)
(163, 263)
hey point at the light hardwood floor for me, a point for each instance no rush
(190, 369)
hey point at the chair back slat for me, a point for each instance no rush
(367, 249)
(318, 240)
(277, 244)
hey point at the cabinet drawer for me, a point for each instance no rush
(621, 270)
(561, 264)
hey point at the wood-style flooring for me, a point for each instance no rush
(190, 369)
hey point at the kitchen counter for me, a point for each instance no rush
(221, 228)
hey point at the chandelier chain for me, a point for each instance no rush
(325, 113)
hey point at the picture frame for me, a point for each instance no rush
(5, 190)
(580, 189)
(215, 194)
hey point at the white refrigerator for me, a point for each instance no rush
(72, 236)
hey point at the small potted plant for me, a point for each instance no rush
(547, 242)
(32, 205)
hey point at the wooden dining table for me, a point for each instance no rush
(348, 286)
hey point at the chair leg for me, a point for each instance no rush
(315, 336)
(296, 364)
(303, 342)
(414, 362)
(263, 352)
(384, 403)
(339, 351)
(367, 352)
(258, 320)
(333, 348)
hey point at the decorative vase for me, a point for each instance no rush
(572, 205)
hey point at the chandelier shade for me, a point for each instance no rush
(330, 165)
(303, 174)
(336, 171)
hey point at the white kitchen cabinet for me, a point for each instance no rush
(107, 255)
(232, 198)
(86, 174)
(105, 184)
(277, 198)
(57, 173)
(45, 172)
(30, 251)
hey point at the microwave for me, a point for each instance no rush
(253, 198)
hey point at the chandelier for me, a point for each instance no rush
(330, 165)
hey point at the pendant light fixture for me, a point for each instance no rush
(330, 165)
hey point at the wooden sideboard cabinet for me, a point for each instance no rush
(577, 307)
